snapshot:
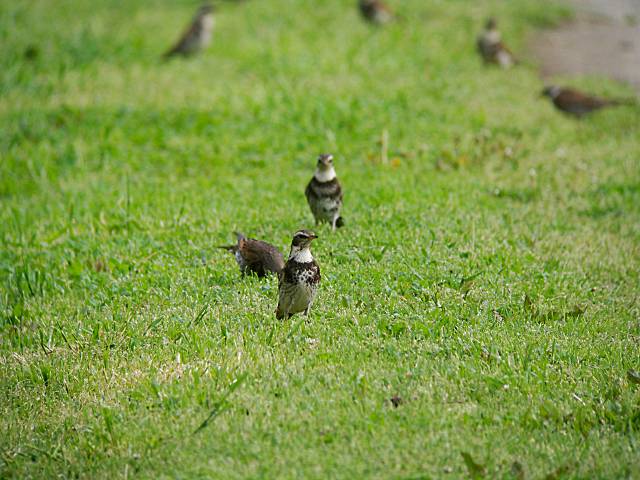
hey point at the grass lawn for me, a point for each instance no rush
(487, 279)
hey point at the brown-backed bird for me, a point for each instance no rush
(197, 36)
(491, 47)
(324, 193)
(375, 11)
(256, 256)
(300, 278)
(576, 103)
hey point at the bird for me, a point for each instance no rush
(491, 47)
(299, 280)
(324, 193)
(197, 36)
(256, 256)
(576, 103)
(375, 11)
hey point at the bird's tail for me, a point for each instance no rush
(234, 248)
(629, 101)
(168, 54)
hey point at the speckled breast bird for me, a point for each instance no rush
(491, 47)
(197, 36)
(375, 11)
(324, 193)
(256, 256)
(299, 279)
(578, 104)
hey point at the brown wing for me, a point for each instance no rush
(261, 257)
(187, 41)
(569, 95)
(480, 46)
(578, 103)
(340, 191)
(308, 192)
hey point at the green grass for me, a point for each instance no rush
(488, 274)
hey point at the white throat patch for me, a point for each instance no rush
(207, 21)
(301, 255)
(492, 36)
(325, 175)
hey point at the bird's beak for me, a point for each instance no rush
(313, 236)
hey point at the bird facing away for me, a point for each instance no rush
(299, 280)
(197, 36)
(375, 11)
(576, 103)
(256, 256)
(324, 193)
(491, 47)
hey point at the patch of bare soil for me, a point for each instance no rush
(603, 39)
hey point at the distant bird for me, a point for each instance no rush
(375, 11)
(578, 104)
(299, 279)
(324, 193)
(491, 47)
(197, 36)
(256, 256)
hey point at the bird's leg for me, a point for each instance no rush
(306, 310)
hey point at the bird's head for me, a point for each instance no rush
(551, 91)
(302, 239)
(325, 161)
(206, 9)
(491, 24)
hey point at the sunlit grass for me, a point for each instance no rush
(487, 278)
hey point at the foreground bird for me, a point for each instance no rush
(375, 11)
(256, 256)
(491, 47)
(324, 193)
(299, 279)
(576, 103)
(197, 36)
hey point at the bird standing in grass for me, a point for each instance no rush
(324, 193)
(491, 47)
(256, 256)
(197, 36)
(299, 279)
(375, 11)
(576, 103)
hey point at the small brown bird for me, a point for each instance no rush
(300, 278)
(375, 11)
(197, 36)
(256, 256)
(576, 103)
(491, 47)
(324, 193)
